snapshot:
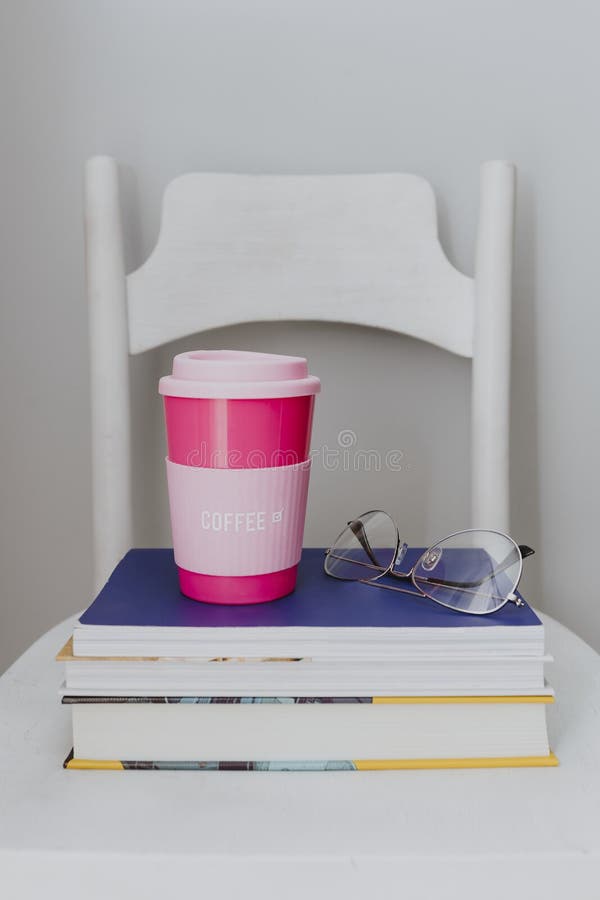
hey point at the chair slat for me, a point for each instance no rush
(361, 249)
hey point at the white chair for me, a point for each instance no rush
(466, 834)
(361, 249)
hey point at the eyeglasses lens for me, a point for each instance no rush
(366, 548)
(473, 571)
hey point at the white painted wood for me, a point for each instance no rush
(491, 358)
(106, 292)
(460, 835)
(342, 248)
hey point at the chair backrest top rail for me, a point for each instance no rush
(359, 249)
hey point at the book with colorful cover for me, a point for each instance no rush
(164, 732)
(431, 675)
(311, 765)
(141, 612)
(70, 700)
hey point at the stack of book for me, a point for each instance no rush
(338, 675)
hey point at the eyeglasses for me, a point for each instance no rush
(473, 571)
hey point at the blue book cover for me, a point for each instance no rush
(144, 591)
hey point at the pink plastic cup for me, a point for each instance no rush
(238, 465)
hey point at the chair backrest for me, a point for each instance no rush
(361, 249)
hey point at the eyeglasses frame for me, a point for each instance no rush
(523, 551)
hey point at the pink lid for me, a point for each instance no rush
(238, 375)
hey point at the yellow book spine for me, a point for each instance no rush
(536, 698)
(500, 762)
(94, 764)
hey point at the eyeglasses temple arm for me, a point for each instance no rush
(358, 530)
(392, 587)
(523, 548)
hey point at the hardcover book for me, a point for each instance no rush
(432, 675)
(311, 765)
(141, 612)
(279, 729)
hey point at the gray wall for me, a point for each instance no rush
(305, 86)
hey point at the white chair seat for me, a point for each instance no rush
(453, 834)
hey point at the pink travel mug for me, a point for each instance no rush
(238, 465)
